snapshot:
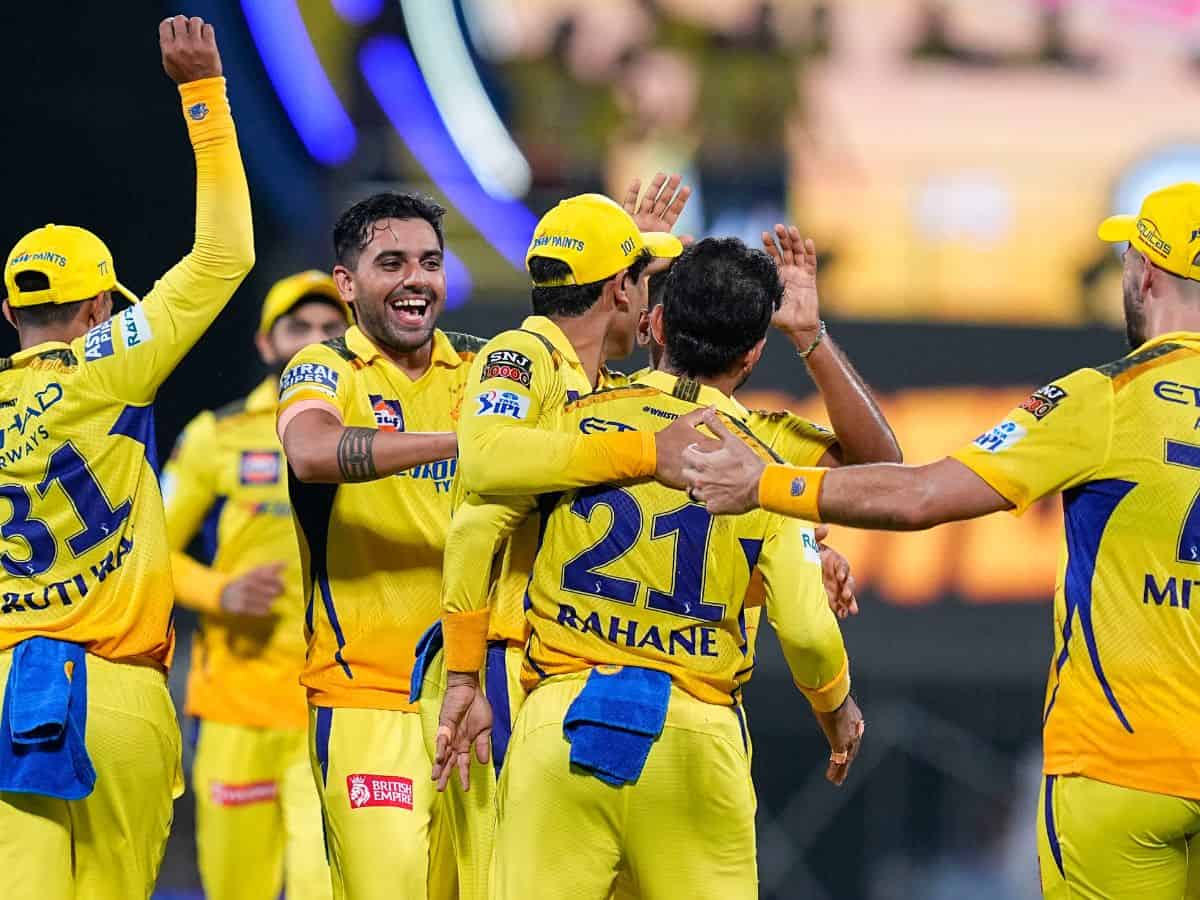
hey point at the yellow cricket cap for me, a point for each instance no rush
(76, 263)
(596, 238)
(1167, 229)
(290, 291)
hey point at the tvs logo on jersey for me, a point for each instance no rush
(223, 794)
(1002, 436)
(1042, 401)
(98, 343)
(260, 467)
(508, 364)
(379, 790)
(503, 403)
(388, 414)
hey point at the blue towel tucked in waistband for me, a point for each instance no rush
(615, 719)
(44, 721)
(428, 647)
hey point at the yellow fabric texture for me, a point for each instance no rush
(109, 845)
(228, 472)
(84, 552)
(694, 796)
(383, 816)
(1121, 442)
(372, 552)
(638, 575)
(258, 814)
(791, 491)
(1115, 841)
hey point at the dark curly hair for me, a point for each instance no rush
(355, 227)
(719, 299)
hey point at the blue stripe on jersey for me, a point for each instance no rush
(327, 597)
(1181, 454)
(496, 690)
(137, 422)
(210, 529)
(1087, 510)
(321, 739)
(1051, 831)
(752, 547)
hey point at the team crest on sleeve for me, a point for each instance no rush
(1043, 401)
(98, 342)
(503, 403)
(508, 364)
(379, 790)
(135, 327)
(389, 416)
(1001, 437)
(260, 467)
(308, 375)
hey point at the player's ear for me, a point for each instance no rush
(8, 314)
(619, 284)
(266, 349)
(99, 309)
(752, 356)
(344, 281)
(656, 326)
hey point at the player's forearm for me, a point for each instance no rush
(815, 654)
(863, 432)
(197, 586)
(320, 449)
(514, 460)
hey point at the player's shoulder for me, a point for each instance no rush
(1121, 372)
(466, 346)
(617, 395)
(322, 367)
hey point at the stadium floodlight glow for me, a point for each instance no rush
(458, 280)
(358, 12)
(299, 79)
(472, 121)
(394, 78)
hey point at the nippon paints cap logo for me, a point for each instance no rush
(379, 790)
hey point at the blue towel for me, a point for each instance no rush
(615, 719)
(428, 647)
(44, 721)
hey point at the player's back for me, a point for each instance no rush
(637, 574)
(81, 547)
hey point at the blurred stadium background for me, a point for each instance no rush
(950, 158)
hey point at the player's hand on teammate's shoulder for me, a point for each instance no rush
(464, 723)
(843, 729)
(253, 592)
(670, 443)
(189, 49)
(839, 580)
(722, 474)
(799, 313)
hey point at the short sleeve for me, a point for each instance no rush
(1058, 438)
(796, 440)
(315, 375)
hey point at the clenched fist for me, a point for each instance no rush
(189, 49)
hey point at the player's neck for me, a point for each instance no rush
(31, 337)
(586, 334)
(413, 363)
(1167, 318)
(726, 384)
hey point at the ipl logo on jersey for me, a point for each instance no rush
(259, 467)
(503, 403)
(1003, 435)
(379, 790)
(388, 414)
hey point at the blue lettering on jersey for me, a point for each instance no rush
(441, 473)
(503, 403)
(1175, 592)
(43, 401)
(315, 375)
(72, 588)
(135, 327)
(1002, 436)
(1175, 392)
(694, 640)
(592, 425)
(98, 342)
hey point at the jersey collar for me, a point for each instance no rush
(1183, 337)
(551, 332)
(443, 354)
(23, 356)
(264, 397)
(706, 396)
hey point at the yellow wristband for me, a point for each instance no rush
(635, 453)
(465, 636)
(791, 491)
(206, 109)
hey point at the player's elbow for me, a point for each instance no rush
(307, 462)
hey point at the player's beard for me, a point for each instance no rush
(375, 320)
(1135, 315)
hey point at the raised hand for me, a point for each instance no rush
(661, 205)
(189, 49)
(465, 722)
(799, 313)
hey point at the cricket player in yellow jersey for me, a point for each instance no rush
(89, 745)
(631, 738)
(1121, 442)
(258, 816)
(367, 425)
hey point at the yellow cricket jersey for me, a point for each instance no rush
(1122, 443)
(83, 547)
(635, 574)
(227, 480)
(372, 552)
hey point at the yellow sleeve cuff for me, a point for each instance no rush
(832, 695)
(206, 109)
(465, 635)
(627, 454)
(791, 491)
(197, 586)
(999, 480)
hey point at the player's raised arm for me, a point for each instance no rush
(145, 343)
(863, 434)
